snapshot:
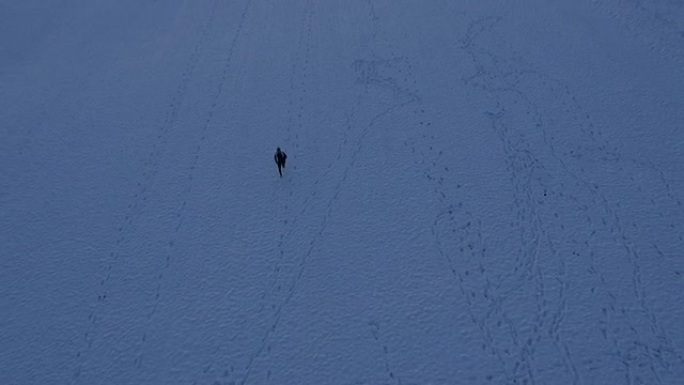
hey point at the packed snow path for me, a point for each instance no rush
(477, 192)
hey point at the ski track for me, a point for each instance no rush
(643, 354)
(284, 284)
(139, 199)
(299, 83)
(376, 333)
(188, 185)
(391, 75)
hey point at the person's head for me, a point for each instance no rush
(277, 149)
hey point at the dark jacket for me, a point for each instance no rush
(280, 158)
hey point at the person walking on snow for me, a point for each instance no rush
(280, 158)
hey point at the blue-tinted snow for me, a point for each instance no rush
(477, 192)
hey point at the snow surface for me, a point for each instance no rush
(477, 192)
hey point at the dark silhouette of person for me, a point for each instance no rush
(280, 158)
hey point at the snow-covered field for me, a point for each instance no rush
(477, 192)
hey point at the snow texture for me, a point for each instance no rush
(477, 192)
